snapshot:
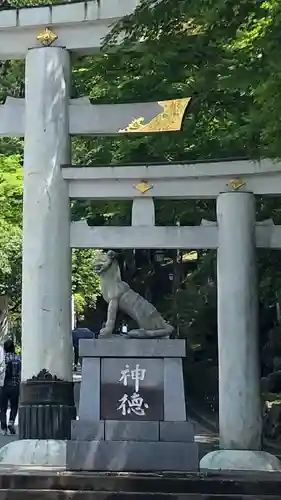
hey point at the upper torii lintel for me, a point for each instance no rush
(78, 26)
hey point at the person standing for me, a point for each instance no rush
(2, 367)
(11, 389)
(78, 334)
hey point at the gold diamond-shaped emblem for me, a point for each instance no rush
(47, 37)
(237, 184)
(143, 187)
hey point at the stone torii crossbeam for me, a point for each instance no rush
(45, 36)
(168, 181)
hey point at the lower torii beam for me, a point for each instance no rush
(183, 237)
(103, 119)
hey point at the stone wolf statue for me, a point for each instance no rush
(119, 295)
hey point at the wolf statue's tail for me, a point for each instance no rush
(141, 333)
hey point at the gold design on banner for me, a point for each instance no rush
(47, 37)
(237, 184)
(168, 120)
(143, 187)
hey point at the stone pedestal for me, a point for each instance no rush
(132, 414)
(46, 402)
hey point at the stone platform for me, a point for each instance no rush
(132, 414)
(57, 485)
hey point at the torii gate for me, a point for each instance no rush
(45, 36)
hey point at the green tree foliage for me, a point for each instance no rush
(229, 52)
(10, 224)
(85, 284)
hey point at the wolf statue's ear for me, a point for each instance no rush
(111, 254)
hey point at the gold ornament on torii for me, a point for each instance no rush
(47, 37)
(237, 184)
(168, 120)
(143, 187)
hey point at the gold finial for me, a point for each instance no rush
(143, 187)
(47, 37)
(236, 184)
(169, 119)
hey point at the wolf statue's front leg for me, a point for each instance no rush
(112, 309)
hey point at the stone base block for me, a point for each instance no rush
(113, 456)
(130, 456)
(182, 432)
(138, 348)
(236, 460)
(34, 453)
(84, 430)
(116, 430)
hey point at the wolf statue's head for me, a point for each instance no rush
(104, 261)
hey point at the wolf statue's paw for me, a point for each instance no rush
(105, 333)
(137, 334)
(147, 334)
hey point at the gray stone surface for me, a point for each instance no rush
(84, 118)
(177, 432)
(174, 400)
(34, 452)
(116, 430)
(85, 430)
(124, 396)
(192, 237)
(143, 212)
(240, 460)
(131, 456)
(89, 405)
(12, 115)
(182, 182)
(169, 171)
(140, 348)
(47, 259)
(80, 26)
(240, 412)
(108, 119)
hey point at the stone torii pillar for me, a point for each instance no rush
(240, 407)
(240, 417)
(47, 388)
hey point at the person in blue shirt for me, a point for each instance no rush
(77, 334)
(10, 391)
